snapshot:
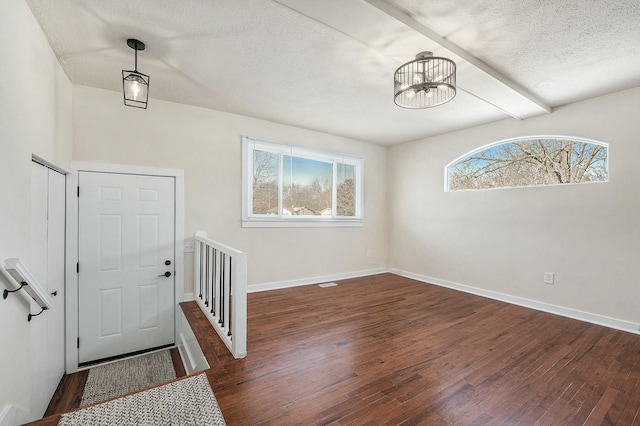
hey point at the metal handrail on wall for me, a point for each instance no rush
(220, 286)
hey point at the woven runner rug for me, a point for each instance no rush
(128, 375)
(185, 402)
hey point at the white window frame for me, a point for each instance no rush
(511, 140)
(251, 220)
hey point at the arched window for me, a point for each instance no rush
(530, 161)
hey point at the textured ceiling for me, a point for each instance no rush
(328, 65)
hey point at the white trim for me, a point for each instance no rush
(527, 303)
(99, 364)
(71, 275)
(189, 297)
(13, 415)
(515, 300)
(313, 280)
(71, 311)
(48, 165)
(185, 354)
(191, 353)
(301, 223)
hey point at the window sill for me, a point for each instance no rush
(301, 223)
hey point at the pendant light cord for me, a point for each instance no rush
(136, 57)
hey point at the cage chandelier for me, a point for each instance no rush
(425, 82)
(135, 85)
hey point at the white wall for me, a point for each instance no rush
(35, 118)
(504, 240)
(207, 145)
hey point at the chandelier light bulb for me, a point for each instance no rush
(135, 88)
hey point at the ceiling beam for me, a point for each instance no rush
(406, 19)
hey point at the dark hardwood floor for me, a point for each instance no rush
(390, 350)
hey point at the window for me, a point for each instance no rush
(291, 186)
(530, 161)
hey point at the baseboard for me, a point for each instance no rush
(605, 321)
(189, 297)
(313, 280)
(12, 415)
(527, 303)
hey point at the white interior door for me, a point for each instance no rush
(56, 233)
(126, 231)
(46, 263)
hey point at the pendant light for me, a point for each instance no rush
(135, 85)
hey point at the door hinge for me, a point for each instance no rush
(78, 343)
(77, 267)
(78, 191)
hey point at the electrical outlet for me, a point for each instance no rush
(368, 252)
(548, 277)
(189, 246)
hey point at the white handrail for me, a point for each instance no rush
(20, 275)
(220, 286)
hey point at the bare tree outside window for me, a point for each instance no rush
(307, 186)
(346, 192)
(303, 186)
(265, 182)
(530, 162)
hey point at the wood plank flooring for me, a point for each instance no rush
(389, 350)
(69, 392)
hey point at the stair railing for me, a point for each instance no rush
(220, 286)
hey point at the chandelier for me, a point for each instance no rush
(425, 82)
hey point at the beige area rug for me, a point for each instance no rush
(188, 401)
(128, 375)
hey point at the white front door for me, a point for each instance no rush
(126, 263)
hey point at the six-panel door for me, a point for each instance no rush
(126, 263)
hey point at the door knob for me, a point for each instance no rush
(166, 274)
(167, 262)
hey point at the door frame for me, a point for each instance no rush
(71, 314)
